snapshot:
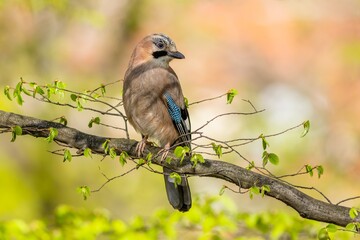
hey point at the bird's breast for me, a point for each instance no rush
(144, 104)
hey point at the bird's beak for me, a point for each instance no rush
(176, 54)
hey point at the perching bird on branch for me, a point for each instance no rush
(155, 106)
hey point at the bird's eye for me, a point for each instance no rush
(160, 44)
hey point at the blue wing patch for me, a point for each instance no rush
(181, 120)
(174, 110)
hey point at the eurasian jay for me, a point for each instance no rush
(155, 106)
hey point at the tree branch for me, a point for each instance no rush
(305, 205)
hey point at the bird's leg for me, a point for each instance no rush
(165, 152)
(141, 146)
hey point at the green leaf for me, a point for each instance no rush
(309, 169)
(87, 152)
(196, 158)
(112, 152)
(265, 158)
(140, 162)
(273, 158)
(95, 95)
(265, 189)
(55, 88)
(90, 124)
(63, 120)
(34, 86)
(53, 132)
(15, 131)
(84, 191)
(217, 149)
(105, 146)
(148, 158)
(320, 170)
(7, 92)
(59, 84)
(123, 157)
(19, 100)
(95, 120)
(168, 160)
(74, 97)
(251, 165)
(13, 136)
(230, 95)
(38, 90)
(254, 190)
(50, 90)
(67, 155)
(102, 89)
(79, 105)
(176, 177)
(323, 234)
(222, 190)
(180, 152)
(331, 228)
(351, 227)
(264, 142)
(186, 102)
(306, 126)
(17, 93)
(24, 90)
(353, 213)
(18, 89)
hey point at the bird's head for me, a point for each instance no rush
(155, 47)
(163, 48)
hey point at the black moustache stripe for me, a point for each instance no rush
(158, 54)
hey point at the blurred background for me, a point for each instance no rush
(299, 60)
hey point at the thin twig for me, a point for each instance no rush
(208, 99)
(252, 105)
(314, 189)
(112, 178)
(347, 199)
(227, 114)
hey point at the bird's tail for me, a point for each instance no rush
(179, 196)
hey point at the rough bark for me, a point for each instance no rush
(308, 207)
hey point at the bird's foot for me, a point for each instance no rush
(141, 146)
(165, 152)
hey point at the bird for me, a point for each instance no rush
(155, 106)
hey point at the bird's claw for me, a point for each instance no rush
(165, 152)
(140, 147)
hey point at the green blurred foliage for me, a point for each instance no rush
(210, 218)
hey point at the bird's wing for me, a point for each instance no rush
(180, 118)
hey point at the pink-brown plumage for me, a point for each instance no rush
(155, 107)
(150, 117)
